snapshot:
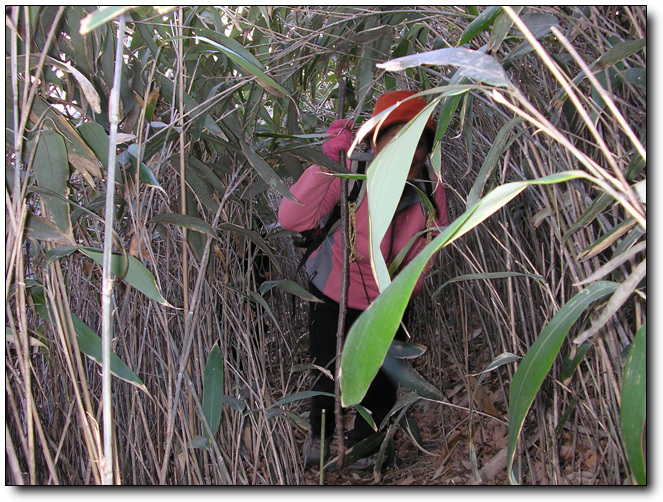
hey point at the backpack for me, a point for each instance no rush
(312, 239)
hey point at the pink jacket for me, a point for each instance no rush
(320, 192)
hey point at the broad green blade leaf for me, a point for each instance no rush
(369, 337)
(186, 221)
(401, 372)
(539, 359)
(479, 24)
(403, 350)
(268, 83)
(51, 169)
(96, 137)
(255, 238)
(620, 52)
(289, 286)
(137, 274)
(265, 171)
(43, 115)
(472, 64)
(145, 174)
(502, 142)
(569, 365)
(385, 180)
(503, 24)
(40, 228)
(634, 404)
(89, 342)
(367, 416)
(213, 389)
(101, 16)
(539, 24)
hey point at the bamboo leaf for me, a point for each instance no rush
(40, 228)
(472, 64)
(51, 169)
(213, 389)
(265, 171)
(100, 17)
(185, 221)
(136, 275)
(502, 142)
(371, 334)
(255, 238)
(288, 286)
(268, 83)
(539, 358)
(634, 404)
(385, 180)
(479, 24)
(89, 342)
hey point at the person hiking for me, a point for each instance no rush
(319, 192)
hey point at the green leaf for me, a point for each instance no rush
(369, 337)
(620, 52)
(249, 65)
(145, 174)
(213, 389)
(137, 274)
(472, 64)
(100, 17)
(51, 169)
(40, 228)
(539, 359)
(255, 238)
(570, 365)
(288, 286)
(385, 180)
(479, 24)
(502, 142)
(89, 342)
(186, 221)
(634, 404)
(265, 171)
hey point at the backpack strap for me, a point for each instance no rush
(357, 189)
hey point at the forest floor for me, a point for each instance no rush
(444, 431)
(445, 462)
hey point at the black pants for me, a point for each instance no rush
(381, 395)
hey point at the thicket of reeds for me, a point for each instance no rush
(220, 108)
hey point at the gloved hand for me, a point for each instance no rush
(340, 140)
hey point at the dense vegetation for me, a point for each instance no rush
(534, 316)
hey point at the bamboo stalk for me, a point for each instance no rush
(107, 280)
(345, 279)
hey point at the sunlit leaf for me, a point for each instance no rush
(369, 337)
(472, 64)
(101, 16)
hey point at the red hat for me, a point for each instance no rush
(404, 112)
